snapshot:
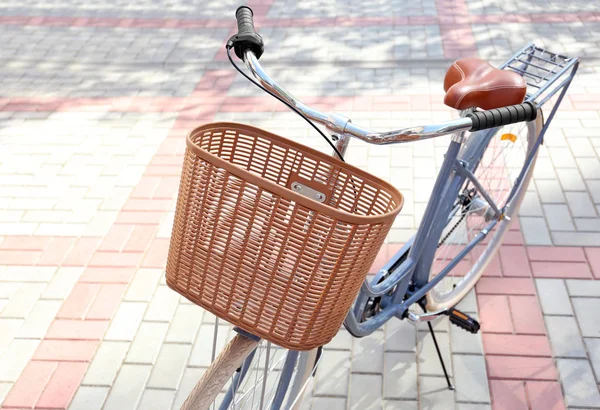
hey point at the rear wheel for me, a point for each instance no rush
(498, 168)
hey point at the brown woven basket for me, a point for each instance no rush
(263, 256)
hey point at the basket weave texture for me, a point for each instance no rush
(254, 252)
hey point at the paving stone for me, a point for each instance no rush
(400, 376)
(21, 303)
(185, 324)
(593, 348)
(429, 364)
(39, 319)
(587, 311)
(4, 389)
(328, 403)
(15, 358)
(434, 394)
(169, 366)
(62, 283)
(564, 336)
(163, 305)
(578, 383)
(365, 392)
(464, 342)
(400, 404)
(470, 406)
(341, 341)
(191, 375)
(128, 387)
(367, 353)
(89, 398)
(333, 375)
(535, 231)
(576, 238)
(470, 379)
(143, 285)
(147, 343)
(583, 287)
(106, 364)
(28, 273)
(468, 304)
(8, 330)
(126, 321)
(550, 191)
(558, 217)
(581, 205)
(157, 399)
(554, 298)
(202, 351)
(400, 336)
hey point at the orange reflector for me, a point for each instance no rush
(510, 137)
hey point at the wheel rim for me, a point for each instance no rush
(499, 167)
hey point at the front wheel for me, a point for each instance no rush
(497, 169)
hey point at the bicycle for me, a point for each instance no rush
(477, 194)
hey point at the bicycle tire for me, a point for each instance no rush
(439, 298)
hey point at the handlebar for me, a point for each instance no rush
(249, 50)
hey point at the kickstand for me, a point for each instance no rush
(437, 348)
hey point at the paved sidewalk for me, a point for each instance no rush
(95, 102)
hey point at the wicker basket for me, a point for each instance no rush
(273, 236)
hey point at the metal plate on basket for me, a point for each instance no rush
(308, 192)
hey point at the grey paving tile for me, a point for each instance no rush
(558, 217)
(341, 341)
(163, 305)
(469, 303)
(587, 311)
(429, 364)
(578, 287)
(367, 353)
(464, 342)
(400, 336)
(106, 363)
(147, 343)
(39, 319)
(554, 298)
(191, 375)
(470, 406)
(126, 322)
(576, 238)
(593, 348)
(333, 375)
(562, 157)
(400, 376)
(589, 167)
(594, 190)
(587, 224)
(89, 398)
(531, 205)
(169, 366)
(535, 231)
(564, 336)
(570, 179)
(365, 392)
(128, 387)
(400, 405)
(550, 191)
(4, 389)
(143, 285)
(470, 379)
(15, 357)
(185, 324)
(434, 394)
(328, 403)
(581, 205)
(578, 383)
(156, 399)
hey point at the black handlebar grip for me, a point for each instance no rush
(246, 38)
(497, 117)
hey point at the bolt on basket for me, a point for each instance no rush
(273, 236)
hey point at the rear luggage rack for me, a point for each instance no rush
(546, 73)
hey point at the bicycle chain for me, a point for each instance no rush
(452, 230)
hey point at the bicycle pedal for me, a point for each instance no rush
(463, 321)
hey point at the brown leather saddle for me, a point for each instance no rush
(472, 82)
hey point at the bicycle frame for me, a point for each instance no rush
(412, 263)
